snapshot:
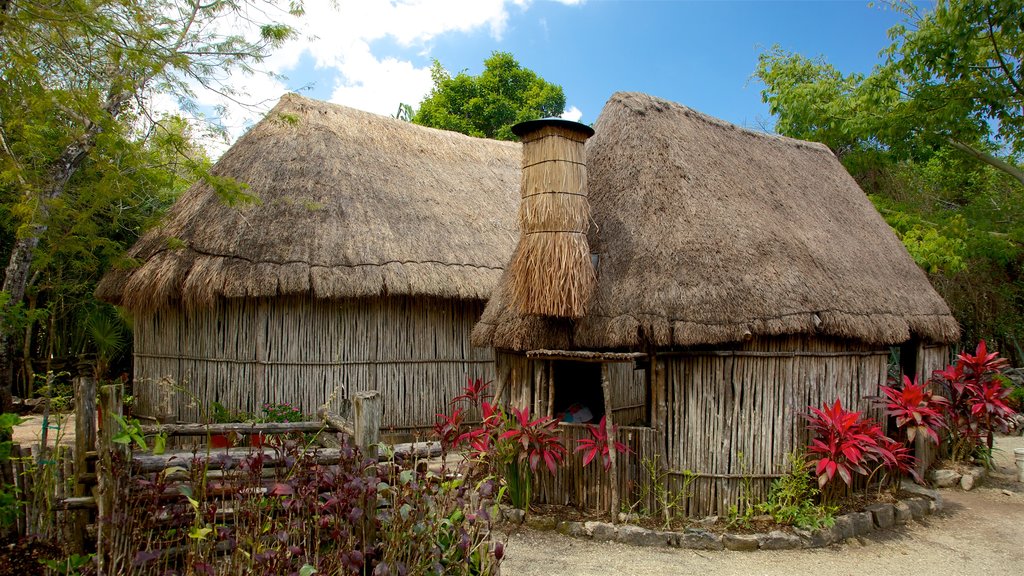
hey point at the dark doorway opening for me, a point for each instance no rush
(578, 395)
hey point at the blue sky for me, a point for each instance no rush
(373, 55)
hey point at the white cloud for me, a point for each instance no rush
(573, 113)
(339, 41)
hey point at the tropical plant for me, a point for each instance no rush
(845, 443)
(507, 445)
(598, 444)
(916, 410)
(792, 498)
(977, 400)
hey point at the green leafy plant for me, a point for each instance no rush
(742, 512)
(9, 497)
(130, 431)
(792, 499)
(669, 503)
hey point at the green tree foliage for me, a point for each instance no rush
(85, 162)
(935, 135)
(488, 105)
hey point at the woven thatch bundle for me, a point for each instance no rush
(708, 233)
(550, 273)
(351, 204)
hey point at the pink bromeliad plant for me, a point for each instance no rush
(597, 444)
(512, 444)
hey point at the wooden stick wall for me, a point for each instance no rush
(245, 352)
(730, 417)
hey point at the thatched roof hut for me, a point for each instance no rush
(349, 205)
(741, 277)
(366, 257)
(707, 233)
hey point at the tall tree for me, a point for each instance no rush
(79, 76)
(935, 135)
(951, 78)
(488, 105)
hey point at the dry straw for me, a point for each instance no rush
(710, 234)
(551, 273)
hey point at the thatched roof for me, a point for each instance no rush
(351, 205)
(708, 233)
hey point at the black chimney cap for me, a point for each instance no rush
(530, 125)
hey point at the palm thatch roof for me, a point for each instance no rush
(351, 204)
(707, 233)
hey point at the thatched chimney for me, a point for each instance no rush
(551, 273)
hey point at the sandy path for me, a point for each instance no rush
(978, 533)
(30, 431)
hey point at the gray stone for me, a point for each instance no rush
(902, 513)
(542, 522)
(918, 507)
(819, 538)
(740, 542)
(912, 488)
(601, 530)
(973, 477)
(779, 540)
(574, 529)
(708, 522)
(844, 527)
(638, 536)
(628, 517)
(863, 523)
(513, 515)
(701, 540)
(884, 515)
(944, 478)
(932, 495)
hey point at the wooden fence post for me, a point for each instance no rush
(367, 411)
(85, 441)
(609, 427)
(111, 398)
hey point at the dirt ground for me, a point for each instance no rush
(980, 532)
(30, 431)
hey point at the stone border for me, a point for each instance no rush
(947, 478)
(874, 517)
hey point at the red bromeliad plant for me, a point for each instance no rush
(977, 400)
(845, 443)
(598, 444)
(917, 411)
(474, 393)
(535, 440)
(510, 445)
